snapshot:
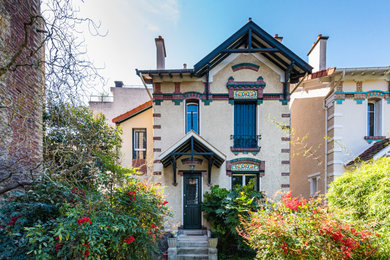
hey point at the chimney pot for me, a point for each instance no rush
(118, 84)
(249, 19)
(185, 66)
(278, 38)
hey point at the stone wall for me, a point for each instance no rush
(21, 91)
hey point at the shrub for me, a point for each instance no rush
(223, 208)
(298, 229)
(364, 194)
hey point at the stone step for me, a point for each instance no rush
(193, 238)
(192, 251)
(192, 257)
(195, 243)
(192, 232)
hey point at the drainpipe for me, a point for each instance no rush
(326, 130)
(146, 87)
(207, 82)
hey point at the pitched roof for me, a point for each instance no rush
(199, 144)
(260, 41)
(135, 111)
(371, 151)
(255, 40)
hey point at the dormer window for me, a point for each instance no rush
(192, 116)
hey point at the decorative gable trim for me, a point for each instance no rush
(242, 66)
(245, 90)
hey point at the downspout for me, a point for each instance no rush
(146, 87)
(207, 90)
(326, 130)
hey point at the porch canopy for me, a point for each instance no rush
(190, 145)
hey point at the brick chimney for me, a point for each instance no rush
(317, 53)
(161, 53)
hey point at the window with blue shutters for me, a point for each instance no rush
(245, 125)
(192, 117)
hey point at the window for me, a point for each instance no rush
(374, 118)
(244, 179)
(192, 117)
(313, 180)
(245, 125)
(139, 143)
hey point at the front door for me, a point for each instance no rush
(192, 201)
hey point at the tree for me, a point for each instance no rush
(42, 59)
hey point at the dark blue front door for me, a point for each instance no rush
(192, 201)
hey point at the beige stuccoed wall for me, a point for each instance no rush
(216, 127)
(142, 120)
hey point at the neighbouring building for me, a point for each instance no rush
(340, 116)
(224, 122)
(21, 92)
(123, 99)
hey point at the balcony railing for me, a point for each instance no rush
(246, 141)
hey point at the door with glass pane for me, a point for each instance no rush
(192, 201)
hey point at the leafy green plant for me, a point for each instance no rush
(364, 194)
(223, 208)
(295, 228)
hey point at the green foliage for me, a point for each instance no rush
(116, 228)
(223, 208)
(79, 147)
(295, 228)
(85, 205)
(364, 194)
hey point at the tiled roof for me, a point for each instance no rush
(371, 151)
(119, 119)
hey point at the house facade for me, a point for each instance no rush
(340, 116)
(225, 122)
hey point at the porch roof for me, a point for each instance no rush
(197, 146)
(371, 152)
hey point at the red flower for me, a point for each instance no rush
(83, 220)
(13, 220)
(292, 202)
(129, 240)
(165, 202)
(337, 236)
(58, 246)
(153, 226)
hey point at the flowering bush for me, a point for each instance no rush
(119, 227)
(298, 229)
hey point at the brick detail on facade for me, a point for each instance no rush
(285, 185)
(156, 138)
(285, 150)
(285, 162)
(285, 115)
(156, 126)
(286, 139)
(285, 174)
(177, 87)
(157, 150)
(156, 161)
(156, 173)
(156, 115)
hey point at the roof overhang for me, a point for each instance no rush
(132, 113)
(200, 147)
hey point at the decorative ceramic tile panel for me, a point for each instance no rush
(245, 167)
(245, 94)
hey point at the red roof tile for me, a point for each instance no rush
(132, 112)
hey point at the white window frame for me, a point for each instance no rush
(139, 149)
(314, 180)
(243, 179)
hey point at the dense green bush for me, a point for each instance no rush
(364, 194)
(295, 228)
(223, 208)
(85, 205)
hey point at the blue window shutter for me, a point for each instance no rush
(245, 125)
(192, 117)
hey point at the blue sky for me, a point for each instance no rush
(359, 31)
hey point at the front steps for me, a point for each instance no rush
(191, 245)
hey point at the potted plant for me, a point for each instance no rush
(213, 240)
(172, 239)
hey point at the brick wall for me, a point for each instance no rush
(21, 91)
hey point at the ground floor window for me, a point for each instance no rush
(313, 179)
(241, 179)
(139, 143)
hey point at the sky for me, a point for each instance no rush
(358, 30)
